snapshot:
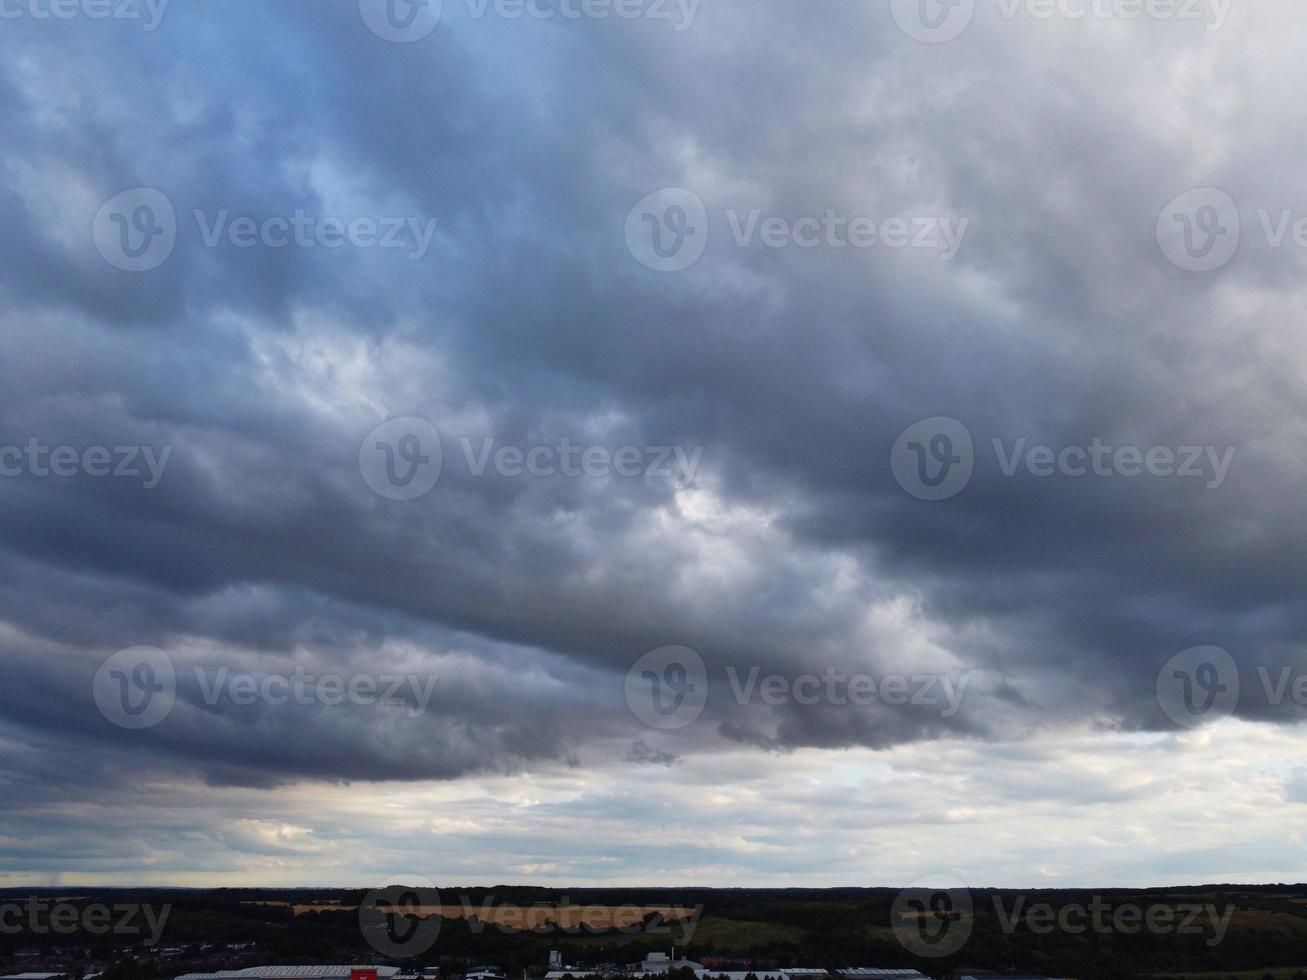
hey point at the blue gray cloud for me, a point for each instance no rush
(440, 228)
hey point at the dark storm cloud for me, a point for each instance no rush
(792, 549)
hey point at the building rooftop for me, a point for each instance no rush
(291, 973)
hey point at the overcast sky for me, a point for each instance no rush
(929, 378)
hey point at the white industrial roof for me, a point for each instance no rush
(290, 973)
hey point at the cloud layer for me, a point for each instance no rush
(760, 518)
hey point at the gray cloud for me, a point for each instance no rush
(792, 548)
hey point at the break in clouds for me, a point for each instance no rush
(934, 382)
